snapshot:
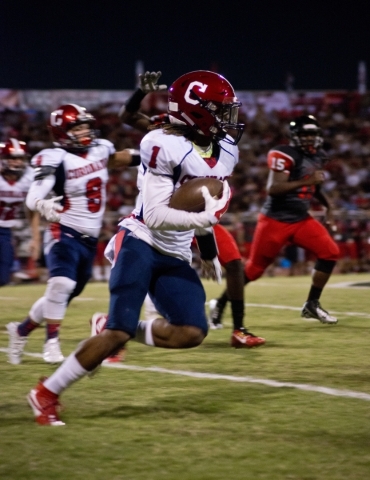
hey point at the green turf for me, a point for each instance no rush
(152, 425)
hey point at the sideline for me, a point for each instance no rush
(231, 378)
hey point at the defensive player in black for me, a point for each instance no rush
(296, 175)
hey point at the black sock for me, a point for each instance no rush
(237, 311)
(222, 301)
(315, 293)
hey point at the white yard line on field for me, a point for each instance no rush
(231, 378)
(298, 309)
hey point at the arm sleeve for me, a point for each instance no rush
(39, 190)
(207, 246)
(157, 191)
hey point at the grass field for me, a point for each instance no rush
(297, 408)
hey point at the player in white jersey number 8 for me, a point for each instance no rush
(76, 171)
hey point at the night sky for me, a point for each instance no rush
(95, 45)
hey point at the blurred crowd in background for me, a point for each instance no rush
(343, 116)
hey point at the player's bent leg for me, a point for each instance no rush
(160, 333)
(96, 349)
(313, 236)
(98, 323)
(57, 295)
(36, 313)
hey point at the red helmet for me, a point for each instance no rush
(66, 117)
(206, 101)
(13, 157)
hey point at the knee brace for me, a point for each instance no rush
(325, 266)
(57, 294)
(36, 312)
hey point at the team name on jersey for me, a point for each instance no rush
(87, 169)
(12, 194)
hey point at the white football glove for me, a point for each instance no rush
(216, 206)
(211, 269)
(49, 209)
(148, 82)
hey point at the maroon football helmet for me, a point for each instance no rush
(13, 157)
(206, 101)
(66, 117)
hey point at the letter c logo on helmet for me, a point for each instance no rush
(56, 118)
(202, 89)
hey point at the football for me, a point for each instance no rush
(189, 196)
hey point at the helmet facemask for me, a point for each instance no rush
(82, 141)
(13, 166)
(310, 142)
(225, 115)
(13, 158)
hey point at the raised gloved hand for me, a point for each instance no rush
(217, 206)
(211, 269)
(49, 209)
(149, 80)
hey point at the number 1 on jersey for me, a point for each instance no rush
(153, 158)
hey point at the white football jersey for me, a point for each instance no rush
(12, 197)
(176, 158)
(81, 179)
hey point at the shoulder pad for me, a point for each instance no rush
(43, 172)
(286, 149)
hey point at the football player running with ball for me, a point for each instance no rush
(296, 176)
(76, 170)
(152, 250)
(227, 250)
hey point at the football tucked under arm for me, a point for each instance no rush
(158, 215)
(189, 196)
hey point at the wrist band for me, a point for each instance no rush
(133, 103)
